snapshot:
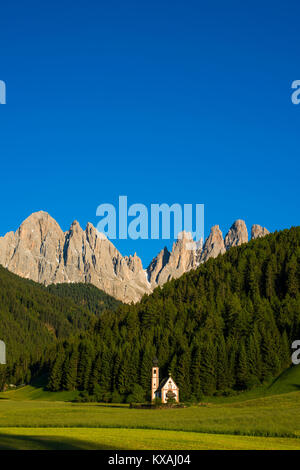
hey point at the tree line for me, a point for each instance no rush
(34, 318)
(224, 327)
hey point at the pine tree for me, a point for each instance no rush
(254, 356)
(105, 379)
(122, 380)
(84, 366)
(270, 279)
(270, 354)
(242, 367)
(70, 371)
(55, 378)
(208, 367)
(195, 373)
(146, 366)
(292, 277)
(232, 350)
(95, 374)
(184, 363)
(222, 365)
(285, 351)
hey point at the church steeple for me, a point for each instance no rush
(155, 378)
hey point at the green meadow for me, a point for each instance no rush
(124, 439)
(266, 418)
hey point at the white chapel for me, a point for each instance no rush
(166, 389)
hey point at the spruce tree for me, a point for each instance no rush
(254, 357)
(242, 368)
(208, 367)
(55, 379)
(222, 364)
(195, 373)
(70, 371)
(184, 364)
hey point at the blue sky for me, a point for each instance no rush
(175, 102)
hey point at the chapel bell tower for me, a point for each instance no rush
(155, 378)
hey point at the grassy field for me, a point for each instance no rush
(31, 418)
(124, 439)
(276, 416)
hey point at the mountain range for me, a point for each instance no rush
(39, 250)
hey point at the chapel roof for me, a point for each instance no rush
(164, 381)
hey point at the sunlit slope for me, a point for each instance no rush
(37, 391)
(288, 381)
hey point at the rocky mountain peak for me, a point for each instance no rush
(214, 244)
(237, 234)
(41, 251)
(184, 235)
(36, 248)
(257, 231)
(182, 258)
(157, 265)
(134, 263)
(39, 221)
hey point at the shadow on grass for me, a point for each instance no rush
(291, 387)
(297, 386)
(124, 407)
(21, 442)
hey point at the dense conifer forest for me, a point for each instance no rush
(34, 318)
(226, 326)
(86, 295)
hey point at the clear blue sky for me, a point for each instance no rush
(163, 101)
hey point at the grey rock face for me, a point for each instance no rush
(166, 265)
(157, 265)
(237, 234)
(214, 244)
(257, 231)
(35, 251)
(41, 251)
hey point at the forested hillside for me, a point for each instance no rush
(33, 318)
(227, 325)
(85, 295)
